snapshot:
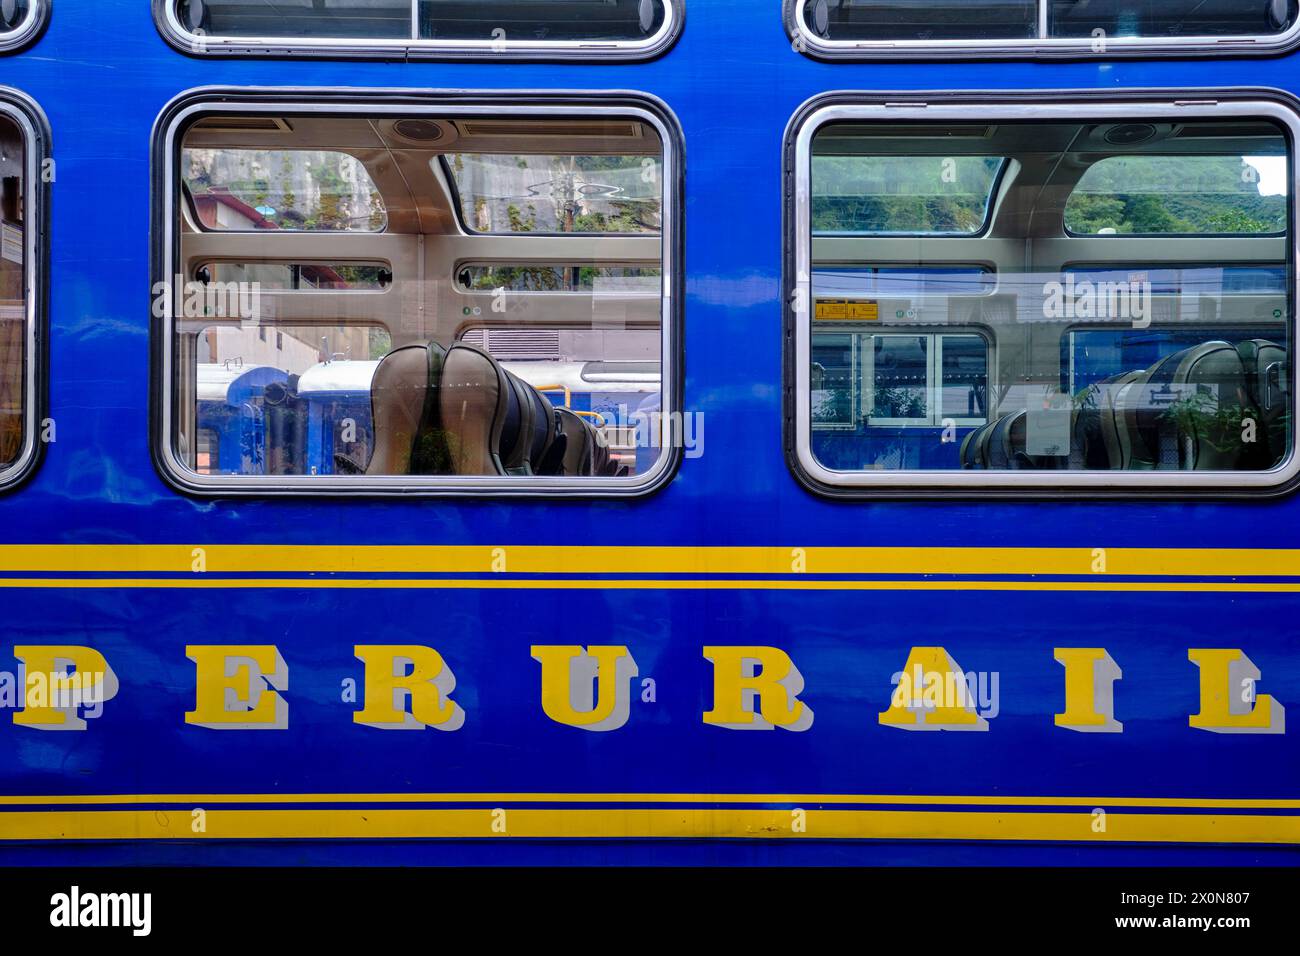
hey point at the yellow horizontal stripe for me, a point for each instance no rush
(501, 799)
(552, 559)
(640, 823)
(645, 584)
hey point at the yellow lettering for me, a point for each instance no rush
(61, 680)
(742, 675)
(586, 688)
(235, 687)
(1090, 675)
(932, 693)
(1225, 709)
(388, 686)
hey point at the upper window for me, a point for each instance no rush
(553, 193)
(1061, 339)
(21, 301)
(902, 195)
(21, 21)
(330, 323)
(597, 279)
(875, 28)
(549, 29)
(312, 190)
(1180, 194)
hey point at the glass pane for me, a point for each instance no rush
(912, 20)
(572, 278)
(540, 193)
(1169, 18)
(906, 280)
(609, 377)
(1180, 195)
(900, 370)
(486, 20)
(540, 19)
(13, 289)
(834, 379)
(1048, 355)
(901, 194)
(964, 377)
(296, 359)
(299, 276)
(303, 190)
(298, 19)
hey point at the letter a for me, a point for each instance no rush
(908, 709)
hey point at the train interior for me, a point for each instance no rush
(1030, 295)
(418, 295)
(13, 288)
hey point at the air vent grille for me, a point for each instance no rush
(612, 130)
(243, 124)
(515, 344)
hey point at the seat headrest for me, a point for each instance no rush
(474, 403)
(408, 438)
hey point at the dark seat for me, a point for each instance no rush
(1175, 420)
(459, 412)
(1265, 367)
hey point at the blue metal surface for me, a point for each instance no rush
(102, 73)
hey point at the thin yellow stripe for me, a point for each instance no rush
(644, 584)
(499, 799)
(551, 559)
(640, 823)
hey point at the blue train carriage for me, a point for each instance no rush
(230, 416)
(1000, 389)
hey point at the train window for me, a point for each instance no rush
(21, 21)
(861, 28)
(415, 357)
(596, 279)
(896, 379)
(933, 195)
(21, 301)
(241, 189)
(1130, 323)
(559, 29)
(1179, 194)
(609, 377)
(300, 276)
(589, 194)
(858, 280)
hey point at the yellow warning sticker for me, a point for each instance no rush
(851, 310)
